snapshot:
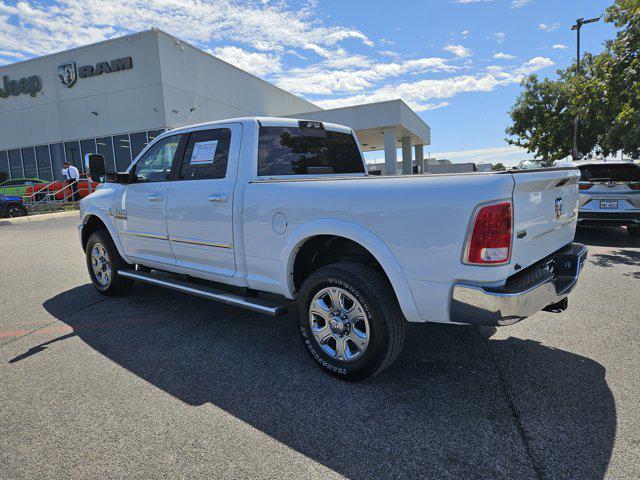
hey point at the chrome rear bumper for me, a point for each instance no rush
(544, 284)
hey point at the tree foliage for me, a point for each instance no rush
(605, 95)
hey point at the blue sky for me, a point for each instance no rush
(456, 62)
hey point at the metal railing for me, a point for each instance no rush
(46, 199)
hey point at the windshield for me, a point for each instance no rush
(615, 172)
(303, 151)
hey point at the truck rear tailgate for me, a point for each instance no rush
(545, 212)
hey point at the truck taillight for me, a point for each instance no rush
(634, 186)
(585, 185)
(490, 241)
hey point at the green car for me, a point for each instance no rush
(18, 186)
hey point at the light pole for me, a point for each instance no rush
(579, 22)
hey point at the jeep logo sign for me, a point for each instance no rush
(68, 76)
(30, 85)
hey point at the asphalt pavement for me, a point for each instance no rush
(156, 384)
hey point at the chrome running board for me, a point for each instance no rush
(206, 292)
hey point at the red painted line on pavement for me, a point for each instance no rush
(67, 328)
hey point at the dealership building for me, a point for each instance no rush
(115, 96)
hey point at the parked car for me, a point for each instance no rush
(609, 194)
(11, 206)
(274, 210)
(62, 191)
(530, 165)
(19, 186)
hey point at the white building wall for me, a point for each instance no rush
(199, 87)
(124, 101)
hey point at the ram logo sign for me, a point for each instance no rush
(68, 74)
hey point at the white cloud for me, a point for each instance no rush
(465, 33)
(559, 46)
(355, 73)
(500, 36)
(259, 64)
(519, 3)
(504, 56)
(458, 50)
(549, 27)
(37, 28)
(420, 94)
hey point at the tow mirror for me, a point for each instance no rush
(94, 164)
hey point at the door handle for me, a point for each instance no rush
(218, 198)
(154, 198)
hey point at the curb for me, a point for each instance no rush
(39, 217)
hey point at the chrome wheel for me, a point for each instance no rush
(339, 324)
(101, 265)
(15, 212)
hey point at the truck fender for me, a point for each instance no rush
(361, 235)
(93, 211)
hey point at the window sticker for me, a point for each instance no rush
(204, 153)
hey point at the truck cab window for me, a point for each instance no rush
(206, 154)
(294, 151)
(156, 163)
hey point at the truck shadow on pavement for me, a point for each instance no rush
(456, 404)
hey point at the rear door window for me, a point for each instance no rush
(613, 172)
(307, 151)
(206, 155)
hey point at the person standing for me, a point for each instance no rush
(71, 176)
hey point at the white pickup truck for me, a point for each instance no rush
(256, 212)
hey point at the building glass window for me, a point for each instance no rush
(72, 150)
(29, 162)
(87, 146)
(105, 148)
(15, 164)
(122, 152)
(44, 163)
(138, 142)
(4, 164)
(57, 159)
(151, 134)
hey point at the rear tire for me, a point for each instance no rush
(633, 230)
(104, 262)
(350, 320)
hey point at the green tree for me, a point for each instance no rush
(605, 95)
(542, 119)
(496, 167)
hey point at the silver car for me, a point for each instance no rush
(609, 194)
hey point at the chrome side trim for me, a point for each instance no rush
(143, 235)
(204, 292)
(199, 242)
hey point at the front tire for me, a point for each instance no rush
(104, 262)
(350, 320)
(633, 230)
(15, 211)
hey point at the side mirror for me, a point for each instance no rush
(94, 164)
